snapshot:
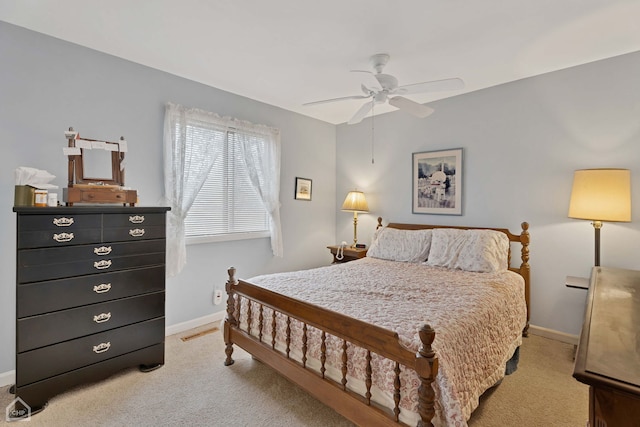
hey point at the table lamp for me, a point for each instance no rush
(601, 195)
(355, 202)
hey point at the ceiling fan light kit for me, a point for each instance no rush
(379, 86)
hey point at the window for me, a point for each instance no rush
(221, 181)
(227, 205)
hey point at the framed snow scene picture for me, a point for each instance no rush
(437, 182)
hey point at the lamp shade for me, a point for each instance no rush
(355, 202)
(601, 195)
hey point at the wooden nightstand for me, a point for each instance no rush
(350, 254)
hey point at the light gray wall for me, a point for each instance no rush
(522, 141)
(47, 85)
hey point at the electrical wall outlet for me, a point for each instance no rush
(217, 296)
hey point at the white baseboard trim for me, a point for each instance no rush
(194, 323)
(7, 378)
(554, 335)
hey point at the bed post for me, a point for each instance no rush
(525, 271)
(427, 369)
(230, 320)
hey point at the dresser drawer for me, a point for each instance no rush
(39, 331)
(134, 220)
(56, 359)
(44, 238)
(43, 297)
(37, 394)
(69, 222)
(56, 263)
(133, 233)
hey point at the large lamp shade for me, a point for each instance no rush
(601, 195)
(355, 202)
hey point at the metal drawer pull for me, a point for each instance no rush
(102, 288)
(101, 265)
(136, 219)
(102, 347)
(136, 232)
(102, 250)
(102, 317)
(62, 222)
(63, 237)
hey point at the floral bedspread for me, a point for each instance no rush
(478, 319)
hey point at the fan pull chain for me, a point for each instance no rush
(372, 130)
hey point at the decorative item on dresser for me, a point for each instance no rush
(355, 335)
(96, 171)
(90, 296)
(608, 359)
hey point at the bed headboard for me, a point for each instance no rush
(522, 239)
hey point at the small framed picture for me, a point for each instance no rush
(303, 189)
(437, 182)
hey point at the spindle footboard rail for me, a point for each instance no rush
(359, 408)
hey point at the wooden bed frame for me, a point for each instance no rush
(360, 409)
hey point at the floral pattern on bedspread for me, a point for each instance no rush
(478, 319)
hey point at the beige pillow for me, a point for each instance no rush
(470, 250)
(400, 245)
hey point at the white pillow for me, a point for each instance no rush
(470, 250)
(400, 245)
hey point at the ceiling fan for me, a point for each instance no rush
(380, 88)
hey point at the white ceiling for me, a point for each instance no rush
(288, 52)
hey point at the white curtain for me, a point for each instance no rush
(186, 169)
(263, 167)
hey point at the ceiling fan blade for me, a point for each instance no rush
(432, 86)
(343, 98)
(369, 80)
(410, 106)
(361, 113)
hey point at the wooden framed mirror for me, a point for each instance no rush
(96, 171)
(99, 166)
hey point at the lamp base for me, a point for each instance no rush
(355, 229)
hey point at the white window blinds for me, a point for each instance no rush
(227, 203)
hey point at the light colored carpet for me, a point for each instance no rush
(194, 388)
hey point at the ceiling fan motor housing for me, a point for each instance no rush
(380, 97)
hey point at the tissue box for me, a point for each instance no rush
(24, 195)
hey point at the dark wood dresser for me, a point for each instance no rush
(608, 358)
(90, 296)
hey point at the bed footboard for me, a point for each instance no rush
(359, 408)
